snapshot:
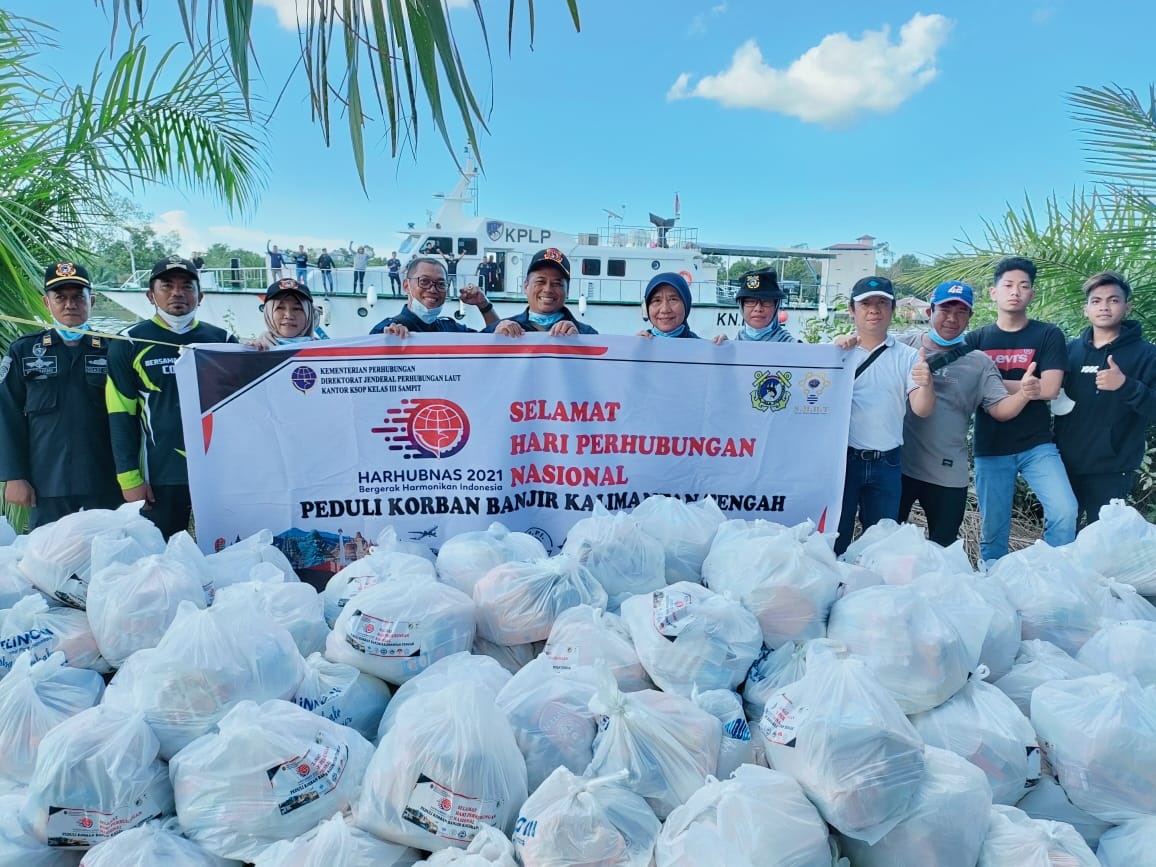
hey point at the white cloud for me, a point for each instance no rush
(698, 22)
(200, 238)
(833, 83)
(289, 12)
(1043, 14)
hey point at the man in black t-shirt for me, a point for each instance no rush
(325, 266)
(1021, 446)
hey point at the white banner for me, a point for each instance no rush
(327, 443)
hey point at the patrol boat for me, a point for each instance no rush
(610, 270)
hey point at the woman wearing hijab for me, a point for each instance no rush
(290, 316)
(666, 304)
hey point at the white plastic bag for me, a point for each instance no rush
(293, 604)
(583, 635)
(1120, 545)
(875, 533)
(551, 717)
(757, 817)
(668, 745)
(489, 848)
(270, 772)
(389, 540)
(14, 586)
(789, 580)
(687, 637)
(97, 773)
(342, 694)
(58, 556)
(981, 724)
(30, 626)
(946, 825)
(976, 603)
(373, 569)
(582, 820)
(512, 658)
(1099, 736)
(517, 603)
(1129, 845)
(336, 842)
(774, 669)
(1055, 595)
(458, 671)
(906, 554)
(914, 649)
(1036, 663)
(207, 662)
(620, 556)
(395, 630)
(685, 531)
(17, 845)
(233, 564)
(130, 606)
(1016, 840)
(842, 736)
(447, 765)
(1127, 649)
(1120, 601)
(34, 699)
(1047, 800)
(736, 747)
(151, 845)
(466, 557)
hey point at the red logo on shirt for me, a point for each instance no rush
(1011, 359)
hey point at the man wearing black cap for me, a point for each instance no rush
(55, 456)
(889, 375)
(547, 283)
(759, 297)
(142, 395)
(425, 285)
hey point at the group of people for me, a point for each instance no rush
(88, 422)
(325, 266)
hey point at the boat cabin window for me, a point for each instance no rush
(591, 267)
(433, 244)
(468, 246)
(616, 267)
(410, 243)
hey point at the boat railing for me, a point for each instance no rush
(675, 237)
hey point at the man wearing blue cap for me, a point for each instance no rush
(936, 473)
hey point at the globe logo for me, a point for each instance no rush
(426, 428)
(303, 378)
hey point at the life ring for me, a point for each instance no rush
(515, 260)
(687, 276)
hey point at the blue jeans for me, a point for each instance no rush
(327, 280)
(872, 488)
(302, 274)
(995, 484)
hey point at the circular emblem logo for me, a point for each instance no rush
(439, 428)
(303, 378)
(85, 822)
(303, 770)
(445, 803)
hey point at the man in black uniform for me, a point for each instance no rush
(55, 456)
(425, 285)
(142, 395)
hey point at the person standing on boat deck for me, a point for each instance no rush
(394, 265)
(547, 283)
(487, 270)
(936, 471)
(55, 456)
(276, 261)
(452, 268)
(759, 297)
(889, 376)
(199, 261)
(1111, 376)
(360, 263)
(666, 304)
(142, 401)
(301, 260)
(425, 285)
(325, 266)
(290, 316)
(1022, 446)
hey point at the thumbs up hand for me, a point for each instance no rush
(921, 373)
(1030, 384)
(1111, 378)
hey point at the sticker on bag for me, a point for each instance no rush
(671, 612)
(781, 720)
(444, 813)
(1035, 760)
(355, 586)
(375, 636)
(75, 827)
(73, 592)
(308, 777)
(39, 642)
(564, 657)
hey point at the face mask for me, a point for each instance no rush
(179, 324)
(939, 341)
(545, 320)
(70, 333)
(674, 333)
(758, 333)
(428, 315)
(285, 341)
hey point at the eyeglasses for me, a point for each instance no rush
(758, 302)
(429, 283)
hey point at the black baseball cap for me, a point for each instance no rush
(871, 287)
(551, 257)
(66, 274)
(285, 286)
(174, 263)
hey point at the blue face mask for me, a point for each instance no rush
(939, 341)
(428, 315)
(674, 333)
(70, 333)
(285, 341)
(545, 320)
(759, 333)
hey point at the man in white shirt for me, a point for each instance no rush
(888, 376)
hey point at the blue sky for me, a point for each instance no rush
(776, 123)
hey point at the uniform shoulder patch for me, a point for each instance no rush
(5, 366)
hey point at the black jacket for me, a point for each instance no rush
(1105, 432)
(523, 319)
(407, 318)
